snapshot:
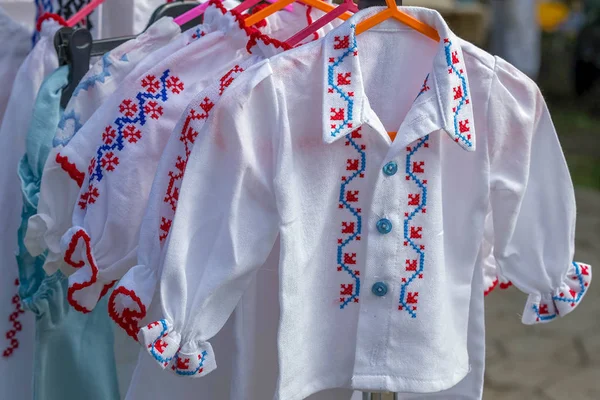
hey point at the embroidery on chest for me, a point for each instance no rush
(126, 129)
(340, 87)
(460, 95)
(351, 219)
(413, 232)
(187, 138)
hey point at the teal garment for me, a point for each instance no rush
(73, 356)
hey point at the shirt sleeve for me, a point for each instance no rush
(224, 229)
(533, 201)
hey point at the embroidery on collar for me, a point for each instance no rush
(340, 89)
(461, 129)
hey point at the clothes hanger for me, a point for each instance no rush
(200, 9)
(347, 5)
(392, 11)
(279, 4)
(173, 9)
(76, 47)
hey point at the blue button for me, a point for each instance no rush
(390, 168)
(384, 226)
(379, 289)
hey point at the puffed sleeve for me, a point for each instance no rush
(224, 228)
(533, 201)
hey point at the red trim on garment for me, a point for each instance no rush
(505, 285)
(309, 21)
(105, 289)
(46, 16)
(128, 320)
(77, 286)
(17, 326)
(491, 288)
(71, 169)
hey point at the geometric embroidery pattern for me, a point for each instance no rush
(17, 327)
(460, 95)
(91, 80)
(573, 297)
(425, 87)
(187, 138)
(340, 83)
(127, 127)
(417, 202)
(63, 136)
(351, 225)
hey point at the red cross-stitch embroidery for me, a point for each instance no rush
(175, 85)
(132, 134)
(13, 318)
(128, 108)
(337, 114)
(228, 78)
(109, 135)
(344, 78)
(411, 265)
(109, 162)
(151, 84)
(341, 42)
(348, 227)
(153, 110)
(89, 197)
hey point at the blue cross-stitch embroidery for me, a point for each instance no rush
(157, 356)
(342, 262)
(577, 299)
(465, 92)
(194, 371)
(331, 69)
(62, 138)
(407, 220)
(91, 80)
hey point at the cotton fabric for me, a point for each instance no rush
(345, 224)
(62, 367)
(41, 61)
(55, 208)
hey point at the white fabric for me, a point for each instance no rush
(15, 47)
(113, 198)
(274, 167)
(57, 190)
(21, 11)
(16, 370)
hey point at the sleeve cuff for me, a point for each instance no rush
(542, 309)
(131, 298)
(165, 347)
(86, 286)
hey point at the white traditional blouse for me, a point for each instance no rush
(17, 330)
(379, 239)
(58, 188)
(102, 243)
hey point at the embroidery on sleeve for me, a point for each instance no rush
(91, 80)
(11, 334)
(187, 138)
(126, 128)
(417, 202)
(351, 223)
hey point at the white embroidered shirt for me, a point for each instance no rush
(379, 239)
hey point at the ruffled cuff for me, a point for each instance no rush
(131, 298)
(543, 309)
(164, 345)
(86, 287)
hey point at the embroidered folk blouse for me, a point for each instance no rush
(58, 190)
(102, 243)
(379, 239)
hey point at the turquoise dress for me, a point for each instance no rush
(74, 355)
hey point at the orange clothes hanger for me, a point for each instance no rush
(280, 4)
(393, 12)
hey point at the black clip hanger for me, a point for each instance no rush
(173, 9)
(362, 4)
(73, 47)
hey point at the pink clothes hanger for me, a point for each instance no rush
(84, 12)
(347, 5)
(199, 10)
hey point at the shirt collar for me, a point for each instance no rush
(444, 101)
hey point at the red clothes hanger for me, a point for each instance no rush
(347, 5)
(83, 13)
